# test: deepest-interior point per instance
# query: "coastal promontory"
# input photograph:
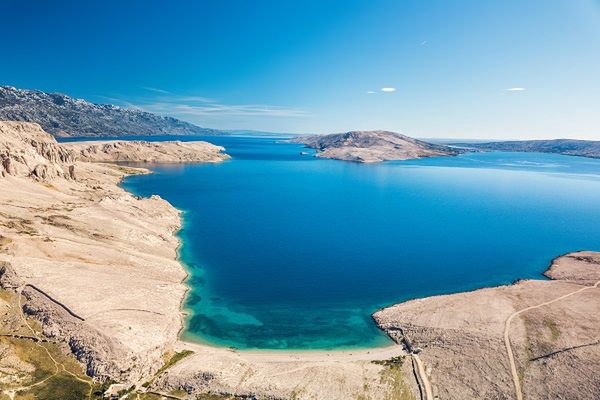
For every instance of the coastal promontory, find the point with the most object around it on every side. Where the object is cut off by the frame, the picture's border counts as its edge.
(144, 151)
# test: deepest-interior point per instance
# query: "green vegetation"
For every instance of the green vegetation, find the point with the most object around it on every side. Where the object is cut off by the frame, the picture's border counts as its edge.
(60, 386)
(54, 375)
(398, 360)
(43, 371)
(172, 360)
(393, 377)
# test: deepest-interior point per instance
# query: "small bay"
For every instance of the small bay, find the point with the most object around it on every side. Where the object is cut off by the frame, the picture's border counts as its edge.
(289, 251)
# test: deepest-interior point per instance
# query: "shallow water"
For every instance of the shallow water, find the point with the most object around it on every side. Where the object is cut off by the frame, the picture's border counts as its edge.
(289, 251)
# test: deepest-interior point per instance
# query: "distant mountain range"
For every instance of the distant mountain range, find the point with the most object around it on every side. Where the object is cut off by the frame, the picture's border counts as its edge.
(373, 146)
(570, 147)
(65, 116)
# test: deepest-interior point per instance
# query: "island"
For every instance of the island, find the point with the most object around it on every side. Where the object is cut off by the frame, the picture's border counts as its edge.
(373, 146)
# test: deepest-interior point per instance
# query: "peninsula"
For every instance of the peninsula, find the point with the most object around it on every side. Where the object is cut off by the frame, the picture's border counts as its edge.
(373, 146)
(143, 151)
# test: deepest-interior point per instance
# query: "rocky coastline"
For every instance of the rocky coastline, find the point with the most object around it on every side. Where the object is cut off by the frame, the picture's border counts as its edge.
(91, 270)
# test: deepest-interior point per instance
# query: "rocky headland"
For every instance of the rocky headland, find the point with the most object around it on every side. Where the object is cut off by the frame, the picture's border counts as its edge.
(143, 151)
(373, 146)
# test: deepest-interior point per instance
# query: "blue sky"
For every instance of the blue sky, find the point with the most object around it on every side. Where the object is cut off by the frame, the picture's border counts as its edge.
(309, 66)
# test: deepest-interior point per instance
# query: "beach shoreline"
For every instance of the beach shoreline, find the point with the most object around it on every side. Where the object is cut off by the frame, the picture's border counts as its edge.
(99, 269)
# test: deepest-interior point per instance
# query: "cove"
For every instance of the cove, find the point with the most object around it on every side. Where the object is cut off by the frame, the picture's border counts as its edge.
(288, 251)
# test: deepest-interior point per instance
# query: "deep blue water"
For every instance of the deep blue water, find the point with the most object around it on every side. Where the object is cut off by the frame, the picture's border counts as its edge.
(290, 251)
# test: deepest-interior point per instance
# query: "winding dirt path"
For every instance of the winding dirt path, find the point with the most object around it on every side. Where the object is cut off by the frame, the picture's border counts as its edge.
(427, 390)
(509, 351)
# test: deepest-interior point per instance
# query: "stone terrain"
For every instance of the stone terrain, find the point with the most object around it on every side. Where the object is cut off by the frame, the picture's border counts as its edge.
(556, 346)
(62, 115)
(143, 151)
(373, 146)
(569, 147)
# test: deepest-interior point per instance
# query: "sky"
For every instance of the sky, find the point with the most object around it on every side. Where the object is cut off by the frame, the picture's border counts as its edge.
(497, 69)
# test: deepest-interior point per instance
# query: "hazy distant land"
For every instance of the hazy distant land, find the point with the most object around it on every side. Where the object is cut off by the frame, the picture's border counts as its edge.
(569, 147)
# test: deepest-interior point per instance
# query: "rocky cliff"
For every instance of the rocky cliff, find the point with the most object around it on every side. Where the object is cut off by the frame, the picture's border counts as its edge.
(373, 146)
(62, 115)
(26, 150)
(142, 151)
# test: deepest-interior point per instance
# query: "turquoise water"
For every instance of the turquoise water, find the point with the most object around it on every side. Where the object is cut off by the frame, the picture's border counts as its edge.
(289, 251)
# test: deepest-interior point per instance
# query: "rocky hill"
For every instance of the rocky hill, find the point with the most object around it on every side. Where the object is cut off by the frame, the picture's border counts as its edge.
(27, 151)
(569, 147)
(142, 151)
(373, 146)
(62, 115)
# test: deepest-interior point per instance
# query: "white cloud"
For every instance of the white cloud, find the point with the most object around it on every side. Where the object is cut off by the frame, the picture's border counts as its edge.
(156, 90)
(388, 89)
(515, 89)
(200, 108)
(248, 110)
(371, 92)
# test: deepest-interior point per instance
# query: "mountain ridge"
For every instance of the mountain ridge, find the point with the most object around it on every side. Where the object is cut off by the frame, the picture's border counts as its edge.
(66, 116)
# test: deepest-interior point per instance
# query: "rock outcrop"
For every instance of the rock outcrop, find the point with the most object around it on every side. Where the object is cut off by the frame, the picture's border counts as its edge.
(151, 152)
(373, 146)
(26, 150)
(62, 115)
